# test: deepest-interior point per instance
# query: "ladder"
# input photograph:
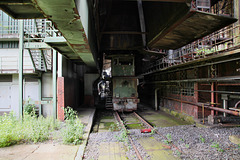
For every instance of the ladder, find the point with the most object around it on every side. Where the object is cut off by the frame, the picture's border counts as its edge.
(109, 103)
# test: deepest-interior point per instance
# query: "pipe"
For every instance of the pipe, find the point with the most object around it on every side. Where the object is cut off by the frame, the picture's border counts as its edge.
(224, 106)
(54, 83)
(209, 107)
(20, 67)
(156, 97)
(237, 104)
(212, 97)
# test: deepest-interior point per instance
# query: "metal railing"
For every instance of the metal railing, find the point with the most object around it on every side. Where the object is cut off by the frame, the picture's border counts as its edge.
(35, 30)
(224, 7)
(216, 43)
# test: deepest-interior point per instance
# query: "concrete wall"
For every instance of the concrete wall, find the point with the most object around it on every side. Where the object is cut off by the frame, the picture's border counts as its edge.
(47, 92)
(88, 88)
(9, 91)
(9, 61)
(73, 83)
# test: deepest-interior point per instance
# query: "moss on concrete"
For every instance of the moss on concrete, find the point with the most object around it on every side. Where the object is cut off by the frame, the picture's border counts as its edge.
(182, 116)
(107, 117)
(135, 126)
(235, 139)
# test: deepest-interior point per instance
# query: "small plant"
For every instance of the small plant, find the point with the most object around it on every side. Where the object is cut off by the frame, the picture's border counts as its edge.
(29, 109)
(123, 137)
(202, 139)
(70, 114)
(73, 133)
(187, 145)
(216, 145)
(153, 131)
(113, 127)
(181, 139)
(178, 153)
(169, 139)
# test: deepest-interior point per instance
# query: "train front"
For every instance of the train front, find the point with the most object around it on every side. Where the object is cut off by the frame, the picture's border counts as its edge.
(124, 83)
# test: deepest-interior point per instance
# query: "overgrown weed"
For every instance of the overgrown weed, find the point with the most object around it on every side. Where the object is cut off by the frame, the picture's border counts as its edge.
(38, 129)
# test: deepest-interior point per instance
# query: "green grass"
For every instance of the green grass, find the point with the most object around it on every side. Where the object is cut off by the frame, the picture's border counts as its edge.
(30, 129)
(36, 129)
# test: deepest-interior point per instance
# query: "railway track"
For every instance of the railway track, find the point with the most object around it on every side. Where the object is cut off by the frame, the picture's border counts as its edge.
(147, 126)
(118, 118)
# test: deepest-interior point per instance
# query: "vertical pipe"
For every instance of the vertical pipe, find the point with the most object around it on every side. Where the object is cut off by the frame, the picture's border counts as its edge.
(224, 107)
(181, 99)
(20, 67)
(54, 82)
(156, 101)
(40, 94)
(216, 96)
(212, 97)
(59, 65)
(203, 112)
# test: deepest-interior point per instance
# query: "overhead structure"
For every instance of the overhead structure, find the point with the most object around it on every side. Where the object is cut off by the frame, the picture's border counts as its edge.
(92, 28)
(191, 26)
(65, 16)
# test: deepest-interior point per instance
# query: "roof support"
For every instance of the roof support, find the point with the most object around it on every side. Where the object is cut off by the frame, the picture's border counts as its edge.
(54, 83)
(142, 21)
(40, 94)
(20, 68)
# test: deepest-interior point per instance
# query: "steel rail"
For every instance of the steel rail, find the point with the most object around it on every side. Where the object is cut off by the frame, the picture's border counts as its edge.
(152, 128)
(116, 115)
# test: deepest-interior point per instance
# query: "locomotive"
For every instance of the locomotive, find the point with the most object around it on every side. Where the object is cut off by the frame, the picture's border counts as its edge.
(122, 93)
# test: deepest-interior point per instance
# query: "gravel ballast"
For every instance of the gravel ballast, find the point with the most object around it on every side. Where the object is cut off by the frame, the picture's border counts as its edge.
(194, 142)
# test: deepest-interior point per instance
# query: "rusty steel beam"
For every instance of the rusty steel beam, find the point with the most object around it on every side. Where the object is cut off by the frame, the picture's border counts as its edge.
(208, 107)
(176, 1)
(122, 32)
(16, 2)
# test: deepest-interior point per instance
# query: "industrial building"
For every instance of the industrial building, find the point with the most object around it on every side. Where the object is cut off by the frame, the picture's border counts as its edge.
(187, 55)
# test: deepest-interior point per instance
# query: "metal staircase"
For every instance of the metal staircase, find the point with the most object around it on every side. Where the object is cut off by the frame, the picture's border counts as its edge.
(40, 26)
(41, 59)
(36, 32)
(109, 103)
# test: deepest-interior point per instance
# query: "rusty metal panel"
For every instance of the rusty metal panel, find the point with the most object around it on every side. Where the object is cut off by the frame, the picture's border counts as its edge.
(192, 26)
(124, 87)
(123, 66)
(24, 9)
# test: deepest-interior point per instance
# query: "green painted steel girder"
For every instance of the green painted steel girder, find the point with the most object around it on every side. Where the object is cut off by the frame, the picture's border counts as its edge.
(65, 16)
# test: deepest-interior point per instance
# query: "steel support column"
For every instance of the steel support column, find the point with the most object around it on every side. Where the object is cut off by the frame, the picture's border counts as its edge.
(142, 21)
(40, 93)
(156, 99)
(54, 82)
(20, 67)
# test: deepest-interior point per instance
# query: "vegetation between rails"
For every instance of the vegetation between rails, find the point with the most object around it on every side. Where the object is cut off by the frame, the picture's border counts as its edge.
(38, 129)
